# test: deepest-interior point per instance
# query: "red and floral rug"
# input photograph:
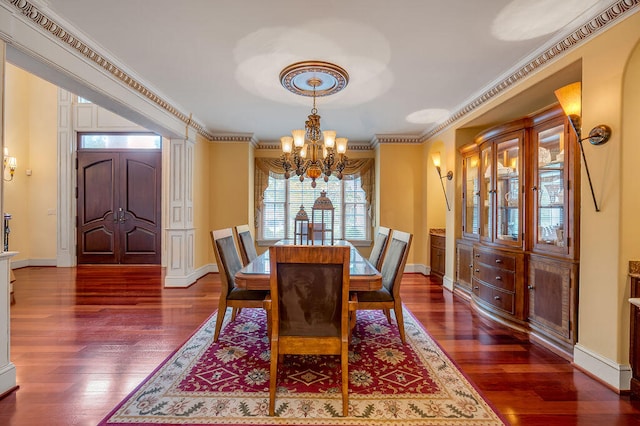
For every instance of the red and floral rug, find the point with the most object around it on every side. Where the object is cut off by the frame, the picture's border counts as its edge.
(227, 383)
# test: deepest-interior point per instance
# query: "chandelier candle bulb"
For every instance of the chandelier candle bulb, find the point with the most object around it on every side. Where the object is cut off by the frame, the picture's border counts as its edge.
(287, 144)
(298, 137)
(329, 138)
(341, 145)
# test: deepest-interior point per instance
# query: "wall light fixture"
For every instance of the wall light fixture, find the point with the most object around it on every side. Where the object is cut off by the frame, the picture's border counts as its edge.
(570, 98)
(10, 163)
(435, 157)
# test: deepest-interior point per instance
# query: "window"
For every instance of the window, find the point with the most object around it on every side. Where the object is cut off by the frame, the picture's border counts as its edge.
(283, 198)
(120, 141)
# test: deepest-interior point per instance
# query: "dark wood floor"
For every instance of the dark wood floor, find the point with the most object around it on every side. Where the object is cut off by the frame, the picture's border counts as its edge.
(83, 338)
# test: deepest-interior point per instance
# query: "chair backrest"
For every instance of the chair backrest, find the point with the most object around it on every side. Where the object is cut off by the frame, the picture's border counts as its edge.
(379, 246)
(395, 260)
(245, 243)
(310, 290)
(227, 258)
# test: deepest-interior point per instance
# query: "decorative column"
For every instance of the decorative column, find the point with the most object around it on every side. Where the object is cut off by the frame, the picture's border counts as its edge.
(180, 233)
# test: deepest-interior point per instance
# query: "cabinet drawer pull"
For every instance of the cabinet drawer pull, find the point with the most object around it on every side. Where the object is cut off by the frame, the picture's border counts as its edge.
(530, 287)
(498, 260)
(498, 278)
(477, 255)
(471, 265)
(535, 188)
(496, 297)
(476, 288)
(477, 270)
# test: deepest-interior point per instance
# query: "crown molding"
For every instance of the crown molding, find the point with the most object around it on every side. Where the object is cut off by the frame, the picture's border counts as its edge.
(592, 27)
(235, 137)
(33, 13)
(394, 139)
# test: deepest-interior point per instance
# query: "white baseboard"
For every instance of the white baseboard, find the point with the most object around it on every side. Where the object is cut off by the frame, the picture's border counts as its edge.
(417, 268)
(187, 280)
(22, 263)
(615, 375)
(7, 378)
(447, 283)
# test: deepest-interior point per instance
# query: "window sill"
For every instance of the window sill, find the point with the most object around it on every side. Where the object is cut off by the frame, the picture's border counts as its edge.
(355, 243)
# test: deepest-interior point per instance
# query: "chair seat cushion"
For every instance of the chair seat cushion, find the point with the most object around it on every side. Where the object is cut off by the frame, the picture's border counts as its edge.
(240, 294)
(381, 295)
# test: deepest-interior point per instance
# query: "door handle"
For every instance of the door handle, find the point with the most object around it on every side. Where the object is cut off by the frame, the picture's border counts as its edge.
(121, 212)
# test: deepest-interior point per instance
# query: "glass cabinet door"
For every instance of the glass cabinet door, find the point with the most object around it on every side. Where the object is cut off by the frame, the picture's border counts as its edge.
(472, 196)
(508, 191)
(486, 192)
(550, 177)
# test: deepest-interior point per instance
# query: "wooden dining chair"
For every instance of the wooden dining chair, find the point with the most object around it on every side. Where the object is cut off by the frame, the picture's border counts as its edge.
(245, 244)
(309, 307)
(388, 297)
(229, 263)
(379, 247)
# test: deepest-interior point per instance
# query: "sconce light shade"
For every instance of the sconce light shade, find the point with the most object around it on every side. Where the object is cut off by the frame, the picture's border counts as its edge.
(435, 157)
(570, 98)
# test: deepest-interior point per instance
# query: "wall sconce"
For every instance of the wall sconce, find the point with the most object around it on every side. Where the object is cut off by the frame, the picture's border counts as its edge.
(435, 157)
(570, 98)
(8, 162)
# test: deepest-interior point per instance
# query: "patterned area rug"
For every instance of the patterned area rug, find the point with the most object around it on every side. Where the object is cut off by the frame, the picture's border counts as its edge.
(227, 383)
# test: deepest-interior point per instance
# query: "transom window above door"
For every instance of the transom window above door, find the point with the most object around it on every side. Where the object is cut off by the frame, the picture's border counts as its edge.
(120, 141)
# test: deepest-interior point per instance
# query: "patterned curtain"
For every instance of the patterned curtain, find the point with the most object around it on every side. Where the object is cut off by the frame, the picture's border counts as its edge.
(265, 167)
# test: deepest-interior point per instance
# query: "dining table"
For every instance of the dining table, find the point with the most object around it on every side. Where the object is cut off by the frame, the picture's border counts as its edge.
(363, 276)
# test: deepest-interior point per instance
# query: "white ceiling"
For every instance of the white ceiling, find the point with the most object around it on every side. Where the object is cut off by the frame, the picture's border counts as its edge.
(220, 60)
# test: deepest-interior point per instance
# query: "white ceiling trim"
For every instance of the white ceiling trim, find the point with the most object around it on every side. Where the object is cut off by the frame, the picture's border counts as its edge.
(82, 49)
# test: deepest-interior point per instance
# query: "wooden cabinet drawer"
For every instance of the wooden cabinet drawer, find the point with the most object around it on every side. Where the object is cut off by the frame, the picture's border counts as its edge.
(495, 276)
(494, 297)
(501, 260)
(438, 241)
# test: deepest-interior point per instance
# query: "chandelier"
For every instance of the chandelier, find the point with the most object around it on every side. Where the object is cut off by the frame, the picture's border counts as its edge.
(312, 152)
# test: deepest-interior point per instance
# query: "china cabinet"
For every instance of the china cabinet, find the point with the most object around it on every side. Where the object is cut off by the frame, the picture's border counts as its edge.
(520, 216)
(464, 267)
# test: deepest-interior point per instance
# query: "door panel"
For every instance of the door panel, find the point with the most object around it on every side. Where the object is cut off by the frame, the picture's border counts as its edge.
(141, 204)
(119, 207)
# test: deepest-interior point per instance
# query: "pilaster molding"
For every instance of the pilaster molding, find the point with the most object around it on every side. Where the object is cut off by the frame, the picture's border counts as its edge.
(66, 246)
(180, 233)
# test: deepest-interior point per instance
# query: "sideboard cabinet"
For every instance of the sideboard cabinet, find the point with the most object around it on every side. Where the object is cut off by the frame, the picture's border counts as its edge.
(520, 216)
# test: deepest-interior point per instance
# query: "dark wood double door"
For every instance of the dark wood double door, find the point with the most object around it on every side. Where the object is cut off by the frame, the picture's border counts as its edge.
(119, 207)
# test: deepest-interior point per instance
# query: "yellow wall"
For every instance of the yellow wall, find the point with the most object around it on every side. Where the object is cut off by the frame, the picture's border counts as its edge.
(630, 178)
(609, 238)
(201, 199)
(31, 135)
(229, 174)
(401, 172)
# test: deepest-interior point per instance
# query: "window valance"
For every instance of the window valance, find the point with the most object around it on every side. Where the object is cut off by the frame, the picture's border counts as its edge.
(272, 167)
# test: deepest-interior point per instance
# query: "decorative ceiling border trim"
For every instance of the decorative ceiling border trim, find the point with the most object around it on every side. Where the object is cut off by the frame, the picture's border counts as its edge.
(37, 17)
(589, 29)
(234, 137)
(388, 139)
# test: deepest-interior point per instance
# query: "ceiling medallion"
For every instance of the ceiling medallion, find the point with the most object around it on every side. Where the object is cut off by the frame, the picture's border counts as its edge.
(312, 152)
(314, 78)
